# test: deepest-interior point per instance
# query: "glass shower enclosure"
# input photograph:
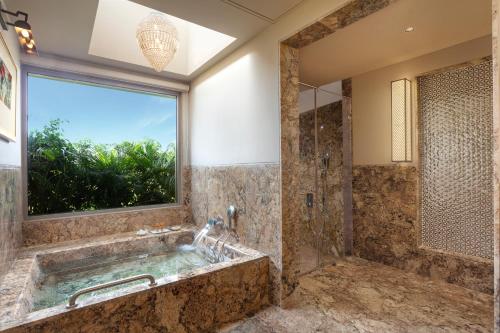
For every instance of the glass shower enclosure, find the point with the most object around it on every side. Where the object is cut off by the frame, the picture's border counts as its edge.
(321, 177)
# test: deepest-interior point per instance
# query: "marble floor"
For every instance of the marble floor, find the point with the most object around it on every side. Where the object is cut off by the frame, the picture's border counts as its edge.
(307, 259)
(361, 296)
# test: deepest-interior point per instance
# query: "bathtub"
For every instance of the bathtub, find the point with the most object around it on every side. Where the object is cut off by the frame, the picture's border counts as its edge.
(198, 298)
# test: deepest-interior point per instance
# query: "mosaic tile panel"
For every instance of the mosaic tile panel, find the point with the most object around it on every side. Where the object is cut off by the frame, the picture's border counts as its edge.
(496, 154)
(456, 164)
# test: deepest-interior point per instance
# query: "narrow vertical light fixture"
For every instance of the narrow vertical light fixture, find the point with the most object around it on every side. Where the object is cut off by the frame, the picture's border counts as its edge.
(401, 122)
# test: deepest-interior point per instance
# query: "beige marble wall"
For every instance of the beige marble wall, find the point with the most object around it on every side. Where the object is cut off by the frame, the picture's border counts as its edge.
(78, 226)
(290, 166)
(254, 190)
(354, 11)
(386, 229)
(10, 215)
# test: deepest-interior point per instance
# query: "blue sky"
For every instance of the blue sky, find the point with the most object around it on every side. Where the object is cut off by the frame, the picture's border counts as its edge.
(103, 115)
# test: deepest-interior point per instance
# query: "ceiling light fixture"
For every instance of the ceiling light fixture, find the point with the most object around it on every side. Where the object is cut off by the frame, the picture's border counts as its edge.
(23, 30)
(158, 40)
(409, 29)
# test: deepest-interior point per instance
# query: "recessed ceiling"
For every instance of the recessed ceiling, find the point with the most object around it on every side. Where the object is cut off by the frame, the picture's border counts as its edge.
(380, 39)
(64, 27)
(118, 20)
(269, 10)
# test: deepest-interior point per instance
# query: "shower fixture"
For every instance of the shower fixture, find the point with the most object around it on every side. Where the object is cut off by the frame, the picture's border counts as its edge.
(325, 160)
(309, 200)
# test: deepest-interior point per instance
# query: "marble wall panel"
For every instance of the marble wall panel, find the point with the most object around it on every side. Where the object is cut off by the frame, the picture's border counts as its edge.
(290, 166)
(254, 190)
(77, 226)
(10, 216)
(351, 13)
(386, 229)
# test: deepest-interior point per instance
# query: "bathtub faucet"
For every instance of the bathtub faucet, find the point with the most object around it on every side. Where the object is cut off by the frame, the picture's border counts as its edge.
(216, 222)
(231, 212)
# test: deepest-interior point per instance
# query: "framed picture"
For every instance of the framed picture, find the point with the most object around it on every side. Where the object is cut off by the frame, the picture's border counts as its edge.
(8, 93)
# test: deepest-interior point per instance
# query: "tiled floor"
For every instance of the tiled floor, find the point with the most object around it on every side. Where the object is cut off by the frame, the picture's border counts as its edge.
(308, 261)
(360, 296)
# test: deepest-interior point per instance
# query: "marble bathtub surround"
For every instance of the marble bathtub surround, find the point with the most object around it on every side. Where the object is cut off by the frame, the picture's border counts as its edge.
(386, 229)
(10, 216)
(197, 301)
(53, 230)
(352, 12)
(17, 287)
(254, 190)
(330, 134)
(78, 226)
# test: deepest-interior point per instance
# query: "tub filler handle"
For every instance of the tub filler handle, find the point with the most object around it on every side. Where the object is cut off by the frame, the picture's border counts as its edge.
(72, 300)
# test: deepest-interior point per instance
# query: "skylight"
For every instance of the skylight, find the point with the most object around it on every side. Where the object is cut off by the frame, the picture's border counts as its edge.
(114, 37)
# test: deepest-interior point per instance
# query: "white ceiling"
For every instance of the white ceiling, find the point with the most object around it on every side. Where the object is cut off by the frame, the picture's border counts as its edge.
(269, 9)
(379, 40)
(64, 27)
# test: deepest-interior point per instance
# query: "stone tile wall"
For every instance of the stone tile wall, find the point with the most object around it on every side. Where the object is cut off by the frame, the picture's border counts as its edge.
(290, 167)
(255, 192)
(386, 229)
(76, 226)
(10, 216)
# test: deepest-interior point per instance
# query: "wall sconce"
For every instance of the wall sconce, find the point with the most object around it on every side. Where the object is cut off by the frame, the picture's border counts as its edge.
(401, 120)
(23, 30)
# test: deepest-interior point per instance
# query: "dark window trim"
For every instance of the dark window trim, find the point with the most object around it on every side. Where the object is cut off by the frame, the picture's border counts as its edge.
(104, 81)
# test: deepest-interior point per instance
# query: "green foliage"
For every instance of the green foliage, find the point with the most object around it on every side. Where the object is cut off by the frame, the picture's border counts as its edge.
(65, 176)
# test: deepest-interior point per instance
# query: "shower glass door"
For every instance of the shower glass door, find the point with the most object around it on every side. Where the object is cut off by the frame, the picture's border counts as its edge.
(321, 221)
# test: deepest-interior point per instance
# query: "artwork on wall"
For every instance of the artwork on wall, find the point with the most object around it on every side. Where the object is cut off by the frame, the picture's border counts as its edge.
(5, 85)
(8, 91)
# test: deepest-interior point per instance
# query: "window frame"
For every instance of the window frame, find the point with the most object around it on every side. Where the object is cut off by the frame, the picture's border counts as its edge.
(27, 70)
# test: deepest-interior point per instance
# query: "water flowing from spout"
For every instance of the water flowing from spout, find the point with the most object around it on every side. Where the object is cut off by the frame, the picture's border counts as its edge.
(200, 236)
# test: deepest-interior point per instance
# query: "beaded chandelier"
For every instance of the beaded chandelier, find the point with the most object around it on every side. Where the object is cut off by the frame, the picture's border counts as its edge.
(158, 40)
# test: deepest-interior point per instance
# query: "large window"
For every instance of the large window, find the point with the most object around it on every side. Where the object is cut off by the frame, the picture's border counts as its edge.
(94, 146)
